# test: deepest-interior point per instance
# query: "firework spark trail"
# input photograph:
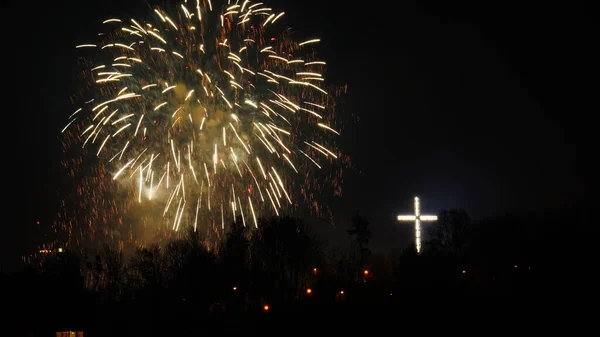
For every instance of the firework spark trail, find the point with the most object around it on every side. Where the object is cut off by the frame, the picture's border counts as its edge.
(205, 106)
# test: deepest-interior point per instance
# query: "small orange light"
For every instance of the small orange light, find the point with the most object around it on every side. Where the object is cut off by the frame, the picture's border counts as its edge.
(342, 292)
(516, 266)
(315, 270)
(266, 308)
(366, 272)
(309, 291)
(234, 288)
(464, 271)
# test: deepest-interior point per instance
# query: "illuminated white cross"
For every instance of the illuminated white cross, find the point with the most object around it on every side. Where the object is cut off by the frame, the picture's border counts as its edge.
(417, 218)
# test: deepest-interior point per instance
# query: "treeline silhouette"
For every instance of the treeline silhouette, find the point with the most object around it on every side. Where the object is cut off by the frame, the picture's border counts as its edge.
(280, 274)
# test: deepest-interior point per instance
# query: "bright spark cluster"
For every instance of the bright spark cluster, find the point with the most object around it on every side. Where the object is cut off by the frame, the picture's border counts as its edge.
(210, 111)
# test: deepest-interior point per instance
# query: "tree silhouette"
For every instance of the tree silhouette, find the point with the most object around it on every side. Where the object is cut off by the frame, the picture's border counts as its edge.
(147, 271)
(284, 252)
(450, 234)
(114, 271)
(191, 271)
(338, 270)
(188, 280)
(362, 234)
(106, 275)
(235, 253)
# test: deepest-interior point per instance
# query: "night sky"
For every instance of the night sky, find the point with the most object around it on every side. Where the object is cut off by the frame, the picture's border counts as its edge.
(469, 105)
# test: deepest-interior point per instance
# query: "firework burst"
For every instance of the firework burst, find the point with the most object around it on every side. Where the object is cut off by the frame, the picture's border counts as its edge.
(209, 112)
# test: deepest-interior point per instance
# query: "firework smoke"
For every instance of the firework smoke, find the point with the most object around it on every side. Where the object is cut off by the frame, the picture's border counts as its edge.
(199, 115)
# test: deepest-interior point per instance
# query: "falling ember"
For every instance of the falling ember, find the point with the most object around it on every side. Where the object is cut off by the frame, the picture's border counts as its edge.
(198, 105)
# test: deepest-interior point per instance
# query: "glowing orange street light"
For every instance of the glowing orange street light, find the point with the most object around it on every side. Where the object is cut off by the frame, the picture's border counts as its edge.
(366, 272)
(341, 292)
(266, 307)
(234, 288)
(315, 271)
(309, 291)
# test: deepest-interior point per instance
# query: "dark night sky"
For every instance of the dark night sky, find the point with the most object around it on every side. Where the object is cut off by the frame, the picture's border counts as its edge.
(470, 105)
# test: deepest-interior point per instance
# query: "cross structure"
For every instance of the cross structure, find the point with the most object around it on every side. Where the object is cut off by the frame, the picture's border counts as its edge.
(417, 218)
